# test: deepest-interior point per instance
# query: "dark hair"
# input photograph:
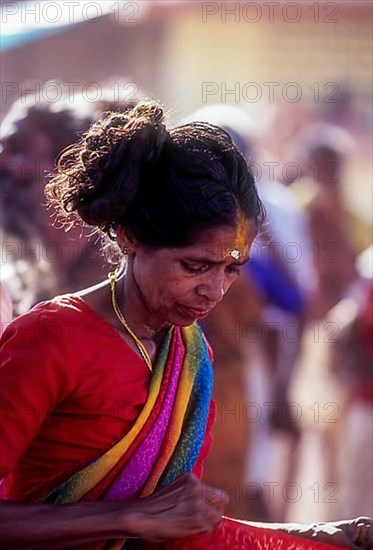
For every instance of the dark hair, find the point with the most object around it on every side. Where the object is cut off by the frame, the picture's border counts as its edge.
(164, 186)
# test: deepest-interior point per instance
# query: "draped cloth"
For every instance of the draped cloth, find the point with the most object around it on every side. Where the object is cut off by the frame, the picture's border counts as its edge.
(163, 443)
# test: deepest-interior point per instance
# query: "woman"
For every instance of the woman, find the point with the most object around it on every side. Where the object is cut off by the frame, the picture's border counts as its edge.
(106, 393)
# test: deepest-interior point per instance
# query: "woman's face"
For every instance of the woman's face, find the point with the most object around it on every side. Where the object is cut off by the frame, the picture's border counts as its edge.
(180, 285)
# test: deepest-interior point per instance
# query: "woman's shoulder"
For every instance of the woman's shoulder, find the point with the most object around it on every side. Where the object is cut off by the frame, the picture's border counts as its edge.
(64, 305)
(52, 320)
(60, 307)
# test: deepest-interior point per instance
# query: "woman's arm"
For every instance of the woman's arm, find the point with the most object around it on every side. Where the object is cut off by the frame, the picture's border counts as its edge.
(184, 508)
(34, 526)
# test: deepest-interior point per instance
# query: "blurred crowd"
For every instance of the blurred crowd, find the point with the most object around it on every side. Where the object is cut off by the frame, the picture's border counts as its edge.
(292, 339)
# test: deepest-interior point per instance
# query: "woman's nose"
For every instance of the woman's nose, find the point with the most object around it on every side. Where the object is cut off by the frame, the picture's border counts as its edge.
(213, 289)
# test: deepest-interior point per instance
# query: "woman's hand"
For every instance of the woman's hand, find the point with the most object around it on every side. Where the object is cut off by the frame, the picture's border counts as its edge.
(183, 508)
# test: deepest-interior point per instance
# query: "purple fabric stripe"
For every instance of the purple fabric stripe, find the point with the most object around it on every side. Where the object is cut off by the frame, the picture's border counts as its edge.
(136, 472)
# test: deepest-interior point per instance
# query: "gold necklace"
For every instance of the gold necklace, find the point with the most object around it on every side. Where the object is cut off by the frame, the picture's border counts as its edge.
(113, 276)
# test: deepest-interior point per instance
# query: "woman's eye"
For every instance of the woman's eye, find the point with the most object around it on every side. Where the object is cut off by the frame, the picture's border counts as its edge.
(195, 269)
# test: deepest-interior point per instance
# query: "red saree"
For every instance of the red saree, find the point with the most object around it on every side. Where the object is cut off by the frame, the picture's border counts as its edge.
(174, 417)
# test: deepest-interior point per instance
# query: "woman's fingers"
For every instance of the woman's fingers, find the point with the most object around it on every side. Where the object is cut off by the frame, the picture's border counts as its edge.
(183, 508)
(216, 497)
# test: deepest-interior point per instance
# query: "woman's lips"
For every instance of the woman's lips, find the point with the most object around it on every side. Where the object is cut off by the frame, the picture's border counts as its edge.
(196, 313)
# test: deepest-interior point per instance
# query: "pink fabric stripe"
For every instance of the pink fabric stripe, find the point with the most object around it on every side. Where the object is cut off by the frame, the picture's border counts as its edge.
(135, 474)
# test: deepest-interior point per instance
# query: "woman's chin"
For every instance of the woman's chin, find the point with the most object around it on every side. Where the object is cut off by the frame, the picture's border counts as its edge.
(190, 315)
(186, 323)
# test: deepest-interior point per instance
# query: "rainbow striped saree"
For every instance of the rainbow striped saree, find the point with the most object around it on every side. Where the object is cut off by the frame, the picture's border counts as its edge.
(166, 438)
(163, 443)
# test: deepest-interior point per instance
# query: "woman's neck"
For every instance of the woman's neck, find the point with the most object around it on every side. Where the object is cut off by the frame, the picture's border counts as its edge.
(134, 309)
(99, 298)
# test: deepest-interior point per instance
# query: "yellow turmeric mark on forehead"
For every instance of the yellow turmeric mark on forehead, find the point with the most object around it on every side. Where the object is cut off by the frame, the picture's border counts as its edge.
(240, 247)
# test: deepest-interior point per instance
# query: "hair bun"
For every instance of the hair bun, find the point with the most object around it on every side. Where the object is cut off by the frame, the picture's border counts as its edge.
(101, 174)
(146, 121)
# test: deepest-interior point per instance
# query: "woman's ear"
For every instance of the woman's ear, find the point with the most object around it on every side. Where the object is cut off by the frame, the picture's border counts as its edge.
(126, 241)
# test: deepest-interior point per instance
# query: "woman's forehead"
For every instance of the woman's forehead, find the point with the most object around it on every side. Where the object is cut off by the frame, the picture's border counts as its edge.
(223, 243)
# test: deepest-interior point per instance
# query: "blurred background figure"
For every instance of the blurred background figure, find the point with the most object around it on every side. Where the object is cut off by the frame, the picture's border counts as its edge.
(352, 364)
(339, 369)
(42, 259)
(337, 235)
(336, 359)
